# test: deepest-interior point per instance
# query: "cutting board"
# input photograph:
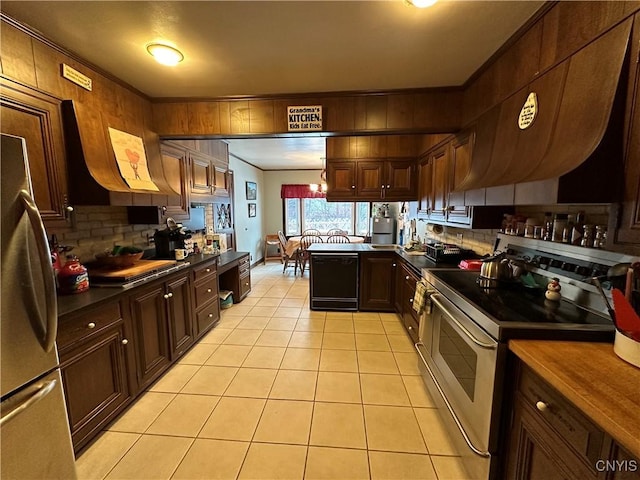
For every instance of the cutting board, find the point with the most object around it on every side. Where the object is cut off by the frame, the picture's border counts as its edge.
(123, 274)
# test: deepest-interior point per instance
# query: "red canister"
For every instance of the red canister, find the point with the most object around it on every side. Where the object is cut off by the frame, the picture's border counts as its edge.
(73, 277)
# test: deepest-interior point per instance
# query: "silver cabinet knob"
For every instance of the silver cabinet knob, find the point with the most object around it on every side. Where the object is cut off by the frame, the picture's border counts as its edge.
(170, 295)
(211, 315)
(540, 405)
(407, 277)
(393, 264)
(208, 290)
(207, 270)
(246, 284)
(166, 295)
(411, 300)
(388, 186)
(125, 341)
(410, 327)
(69, 208)
(91, 325)
(353, 186)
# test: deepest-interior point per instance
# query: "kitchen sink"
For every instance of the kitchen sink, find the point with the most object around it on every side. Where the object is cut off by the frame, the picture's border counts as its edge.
(414, 252)
(384, 246)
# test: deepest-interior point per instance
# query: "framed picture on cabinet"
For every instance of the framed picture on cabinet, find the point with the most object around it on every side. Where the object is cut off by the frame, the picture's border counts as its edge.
(252, 210)
(252, 190)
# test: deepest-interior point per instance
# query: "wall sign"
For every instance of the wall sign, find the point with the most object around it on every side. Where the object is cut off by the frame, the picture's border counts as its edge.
(529, 111)
(131, 160)
(76, 77)
(304, 118)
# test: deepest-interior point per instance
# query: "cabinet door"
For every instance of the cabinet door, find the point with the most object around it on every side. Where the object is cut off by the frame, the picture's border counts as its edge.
(95, 379)
(149, 315)
(400, 180)
(179, 313)
(397, 280)
(459, 165)
(425, 187)
(245, 285)
(220, 181)
(174, 163)
(377, 282)
(440, 164)
(36, 117)
(370, 179)
(341, 179)
(201, 173)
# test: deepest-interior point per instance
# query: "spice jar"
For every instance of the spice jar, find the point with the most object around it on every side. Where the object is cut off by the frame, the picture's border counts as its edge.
(587, 236)
(600, 238)
(559, 224)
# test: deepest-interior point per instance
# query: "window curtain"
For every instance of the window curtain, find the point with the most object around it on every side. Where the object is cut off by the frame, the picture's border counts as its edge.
(300, 191)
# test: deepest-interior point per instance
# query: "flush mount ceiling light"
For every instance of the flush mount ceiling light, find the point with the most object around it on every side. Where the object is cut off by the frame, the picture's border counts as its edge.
(420, 3)
(165, 54)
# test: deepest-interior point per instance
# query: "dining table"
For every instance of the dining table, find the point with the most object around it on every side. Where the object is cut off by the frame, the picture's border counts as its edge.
(293, 243)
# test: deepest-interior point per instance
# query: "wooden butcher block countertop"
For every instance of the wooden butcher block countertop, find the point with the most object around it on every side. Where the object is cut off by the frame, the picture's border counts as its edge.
(594, 379)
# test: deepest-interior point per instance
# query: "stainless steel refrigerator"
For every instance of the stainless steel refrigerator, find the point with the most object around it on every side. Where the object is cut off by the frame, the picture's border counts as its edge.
(34, 430)
(383, 230)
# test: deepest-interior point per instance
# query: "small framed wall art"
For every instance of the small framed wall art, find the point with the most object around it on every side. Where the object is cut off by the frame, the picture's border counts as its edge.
(252, 210)
(252, 190)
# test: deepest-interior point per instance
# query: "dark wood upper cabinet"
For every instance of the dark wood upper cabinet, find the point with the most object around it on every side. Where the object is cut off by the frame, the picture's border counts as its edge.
(36, 117)
(175, 164)
(440, 183)
(400, 178)
(425, 187)
(370, 179)
(341, 179)
(202, 176)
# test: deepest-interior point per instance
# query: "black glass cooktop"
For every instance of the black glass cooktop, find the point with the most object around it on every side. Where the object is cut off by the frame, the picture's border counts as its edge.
(520, 312)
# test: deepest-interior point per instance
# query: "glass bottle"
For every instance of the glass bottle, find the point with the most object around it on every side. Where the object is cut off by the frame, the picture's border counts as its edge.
(587, 236)
(600, 237)
(577, 232)
(548, 226)
(559, 223)
(566, 231)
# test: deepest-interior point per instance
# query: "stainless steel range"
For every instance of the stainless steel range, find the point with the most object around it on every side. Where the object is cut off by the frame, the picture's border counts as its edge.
(463, 334)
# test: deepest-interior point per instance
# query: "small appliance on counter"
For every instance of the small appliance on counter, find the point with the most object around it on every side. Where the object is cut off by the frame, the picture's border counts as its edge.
(168, 240)
(383, 230)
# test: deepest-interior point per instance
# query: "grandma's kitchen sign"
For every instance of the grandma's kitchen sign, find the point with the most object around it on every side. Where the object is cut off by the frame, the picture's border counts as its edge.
(304, 118)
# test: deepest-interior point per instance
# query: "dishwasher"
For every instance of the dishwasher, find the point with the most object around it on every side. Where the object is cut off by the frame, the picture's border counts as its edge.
(334, 281)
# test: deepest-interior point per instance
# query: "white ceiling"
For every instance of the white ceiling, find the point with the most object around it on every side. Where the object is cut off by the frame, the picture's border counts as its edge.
(273, 47)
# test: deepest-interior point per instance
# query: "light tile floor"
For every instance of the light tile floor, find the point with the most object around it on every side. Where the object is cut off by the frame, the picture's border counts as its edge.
(278, 391)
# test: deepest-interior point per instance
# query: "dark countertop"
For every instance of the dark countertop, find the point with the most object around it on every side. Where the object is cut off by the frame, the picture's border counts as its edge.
(593, 378)
(415, 262)
(68, 304)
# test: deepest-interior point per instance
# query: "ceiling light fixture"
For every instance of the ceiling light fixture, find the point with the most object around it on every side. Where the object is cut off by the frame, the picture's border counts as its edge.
(165, 54)
(420, 3)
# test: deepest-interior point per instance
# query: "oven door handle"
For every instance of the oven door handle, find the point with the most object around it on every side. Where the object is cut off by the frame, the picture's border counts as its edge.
(440, 305)
(475, 450)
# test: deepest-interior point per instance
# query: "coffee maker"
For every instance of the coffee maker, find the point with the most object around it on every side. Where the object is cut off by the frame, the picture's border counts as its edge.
(167, 240)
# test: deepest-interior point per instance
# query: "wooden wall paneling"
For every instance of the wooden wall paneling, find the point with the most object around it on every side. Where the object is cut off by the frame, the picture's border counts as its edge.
(340, 113)
(378, 146)
(402, 145)
(569, 26)
(438, 111)
(400, 111)
(239, 116)
(376, 114)
(171, 118)
(479, 96)
(16, 53)
(203, 118)
(631, 6)
(280, 121)
(360, 113)
(224, 108)
(338, 147)
(261, 116)
(361, 147)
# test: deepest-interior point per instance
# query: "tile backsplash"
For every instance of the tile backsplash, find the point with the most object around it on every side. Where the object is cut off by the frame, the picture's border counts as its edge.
(100, 228)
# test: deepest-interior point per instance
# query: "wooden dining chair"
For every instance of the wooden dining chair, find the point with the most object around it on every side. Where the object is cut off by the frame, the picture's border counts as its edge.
(339, 238)
(303, 252)
(286, 258)
(336, 231)
(311, 231)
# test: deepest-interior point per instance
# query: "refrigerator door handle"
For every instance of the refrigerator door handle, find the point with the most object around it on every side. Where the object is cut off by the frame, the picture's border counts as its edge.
(18, 404)
(47, 273)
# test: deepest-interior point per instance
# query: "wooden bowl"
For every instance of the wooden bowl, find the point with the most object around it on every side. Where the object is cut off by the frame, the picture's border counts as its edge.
(120, 261)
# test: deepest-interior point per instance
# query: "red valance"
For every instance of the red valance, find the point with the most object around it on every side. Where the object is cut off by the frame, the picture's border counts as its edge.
(300, 191)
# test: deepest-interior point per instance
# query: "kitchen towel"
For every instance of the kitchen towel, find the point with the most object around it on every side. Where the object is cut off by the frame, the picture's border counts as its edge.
(421, 299)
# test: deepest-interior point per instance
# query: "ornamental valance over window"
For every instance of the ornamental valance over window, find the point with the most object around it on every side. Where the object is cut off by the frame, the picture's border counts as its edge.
(300, 191)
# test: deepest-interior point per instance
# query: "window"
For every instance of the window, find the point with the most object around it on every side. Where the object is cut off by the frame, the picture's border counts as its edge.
(304, 213)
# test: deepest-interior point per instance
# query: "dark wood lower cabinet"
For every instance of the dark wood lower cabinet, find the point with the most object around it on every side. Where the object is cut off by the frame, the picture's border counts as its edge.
(549, 438)
(377, 282)
(98, 369)
(149, 316)
(410, 317)
(181, 333)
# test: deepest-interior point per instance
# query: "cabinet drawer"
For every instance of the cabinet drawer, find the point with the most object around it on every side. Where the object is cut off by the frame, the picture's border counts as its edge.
(208, 314)
(206, 291)
(243, 265)
(88, 323)
(245, 284)
(201, 272)
(571, 425)
(411, 324)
